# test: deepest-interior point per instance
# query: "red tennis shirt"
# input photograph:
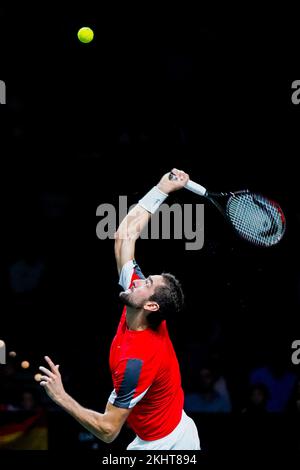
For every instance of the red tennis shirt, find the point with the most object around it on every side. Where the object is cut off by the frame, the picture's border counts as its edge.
(145, 373)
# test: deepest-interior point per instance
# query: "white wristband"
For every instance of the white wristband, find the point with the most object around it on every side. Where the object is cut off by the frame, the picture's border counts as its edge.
(153, 199)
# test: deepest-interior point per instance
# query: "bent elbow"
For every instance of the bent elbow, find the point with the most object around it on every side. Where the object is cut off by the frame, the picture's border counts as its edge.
(109, 436)
(109, 439)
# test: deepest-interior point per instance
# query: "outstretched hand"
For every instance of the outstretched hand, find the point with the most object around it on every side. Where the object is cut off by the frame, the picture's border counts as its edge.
(167, 186)
(51, 381)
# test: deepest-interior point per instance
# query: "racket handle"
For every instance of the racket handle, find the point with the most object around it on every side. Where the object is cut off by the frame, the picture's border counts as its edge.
(191, 186)
(195, 188)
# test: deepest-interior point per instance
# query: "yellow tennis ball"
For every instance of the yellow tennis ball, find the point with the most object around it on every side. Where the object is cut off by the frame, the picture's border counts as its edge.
(85, 34)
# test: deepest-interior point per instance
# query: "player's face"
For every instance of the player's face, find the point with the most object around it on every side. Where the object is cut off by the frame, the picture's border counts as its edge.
(141, 290)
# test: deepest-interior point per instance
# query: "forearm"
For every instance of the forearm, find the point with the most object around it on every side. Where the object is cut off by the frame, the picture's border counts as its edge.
(94, 422)
(127, 234)
(133, 224)
(136, 220)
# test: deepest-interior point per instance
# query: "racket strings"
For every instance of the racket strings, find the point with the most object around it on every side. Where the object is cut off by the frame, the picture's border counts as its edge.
(257, 219)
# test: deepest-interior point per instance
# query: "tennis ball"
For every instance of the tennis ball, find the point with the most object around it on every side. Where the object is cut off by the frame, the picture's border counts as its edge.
(85, 34)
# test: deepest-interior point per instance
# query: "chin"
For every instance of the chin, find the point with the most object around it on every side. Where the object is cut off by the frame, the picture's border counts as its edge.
(124, 296)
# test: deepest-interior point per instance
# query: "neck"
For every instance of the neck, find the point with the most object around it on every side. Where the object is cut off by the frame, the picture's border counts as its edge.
(135, 319)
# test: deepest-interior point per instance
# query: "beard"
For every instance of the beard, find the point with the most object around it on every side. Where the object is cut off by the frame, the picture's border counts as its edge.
(127, 299)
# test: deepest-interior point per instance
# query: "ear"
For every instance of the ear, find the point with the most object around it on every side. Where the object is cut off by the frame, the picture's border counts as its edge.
(151, 306)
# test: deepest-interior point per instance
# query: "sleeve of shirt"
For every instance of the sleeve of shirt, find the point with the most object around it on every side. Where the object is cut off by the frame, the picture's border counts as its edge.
(132, 380)
(130, 271)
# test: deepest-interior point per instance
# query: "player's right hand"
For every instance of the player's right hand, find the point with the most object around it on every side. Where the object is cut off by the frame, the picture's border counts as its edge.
(167, 186)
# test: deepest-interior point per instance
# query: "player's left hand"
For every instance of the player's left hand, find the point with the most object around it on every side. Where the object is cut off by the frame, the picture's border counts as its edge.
(51, 381)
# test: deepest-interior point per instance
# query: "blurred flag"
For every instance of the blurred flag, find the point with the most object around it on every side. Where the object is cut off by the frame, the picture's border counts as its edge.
(26, 434)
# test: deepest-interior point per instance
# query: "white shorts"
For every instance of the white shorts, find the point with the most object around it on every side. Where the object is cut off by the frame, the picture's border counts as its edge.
(183, 437)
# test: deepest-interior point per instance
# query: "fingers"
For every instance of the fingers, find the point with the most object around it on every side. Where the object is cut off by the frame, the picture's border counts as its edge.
(172, 175)
(45, 378)
(47, 372)
(51, 364)
(174, 172)
(181, 175)
(44, 383)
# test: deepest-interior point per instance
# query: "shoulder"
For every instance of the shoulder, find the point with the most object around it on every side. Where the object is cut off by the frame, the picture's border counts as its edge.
(129, 272)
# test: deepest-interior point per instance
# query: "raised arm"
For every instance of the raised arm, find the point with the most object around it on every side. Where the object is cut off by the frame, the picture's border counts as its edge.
(133, 224)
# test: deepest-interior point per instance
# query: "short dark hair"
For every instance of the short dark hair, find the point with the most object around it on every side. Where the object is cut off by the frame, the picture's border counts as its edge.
(170, 299)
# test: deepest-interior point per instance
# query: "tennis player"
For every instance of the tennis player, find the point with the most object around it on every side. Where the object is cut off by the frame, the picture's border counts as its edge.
(145, 371)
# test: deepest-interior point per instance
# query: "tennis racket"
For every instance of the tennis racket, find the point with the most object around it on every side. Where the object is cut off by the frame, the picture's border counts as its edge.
(254, 217)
